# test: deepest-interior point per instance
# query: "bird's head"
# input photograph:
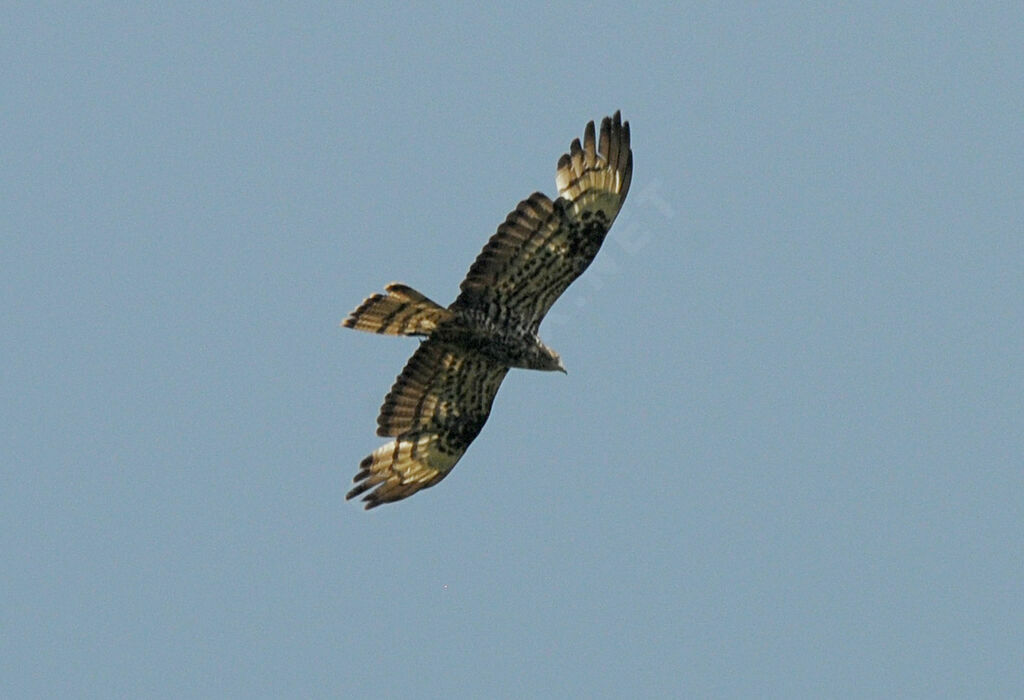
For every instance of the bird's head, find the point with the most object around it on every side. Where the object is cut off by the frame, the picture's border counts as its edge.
(559, 367)
(550, 360)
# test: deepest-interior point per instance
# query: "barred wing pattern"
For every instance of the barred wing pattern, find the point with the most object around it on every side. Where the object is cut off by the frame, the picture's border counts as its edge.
(543, 246)
(442, 398)
(436, 408)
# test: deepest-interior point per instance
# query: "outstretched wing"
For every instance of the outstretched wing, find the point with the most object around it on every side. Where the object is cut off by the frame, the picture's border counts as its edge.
(436, 408)
(543, 246)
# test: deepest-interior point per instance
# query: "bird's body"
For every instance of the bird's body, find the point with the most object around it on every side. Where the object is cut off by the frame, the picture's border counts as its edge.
(442, 398)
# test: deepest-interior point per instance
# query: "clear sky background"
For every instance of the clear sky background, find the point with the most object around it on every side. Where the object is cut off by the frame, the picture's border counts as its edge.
(786, 460)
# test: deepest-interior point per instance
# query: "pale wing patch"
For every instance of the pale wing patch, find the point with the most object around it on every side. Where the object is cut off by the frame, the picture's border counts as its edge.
(596, 178)
(402, 467)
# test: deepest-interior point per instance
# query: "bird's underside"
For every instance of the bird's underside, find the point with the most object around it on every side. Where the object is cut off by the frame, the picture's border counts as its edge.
(442, 398)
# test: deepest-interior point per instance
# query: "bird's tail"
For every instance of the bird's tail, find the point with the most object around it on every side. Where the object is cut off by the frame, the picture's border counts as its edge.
(402, 311)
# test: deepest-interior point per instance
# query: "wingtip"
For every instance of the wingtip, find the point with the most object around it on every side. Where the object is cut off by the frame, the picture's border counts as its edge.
(355, 491)
(590, 144)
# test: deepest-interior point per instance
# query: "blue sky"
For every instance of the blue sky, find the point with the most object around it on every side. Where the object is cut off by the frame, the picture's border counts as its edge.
(786, 460)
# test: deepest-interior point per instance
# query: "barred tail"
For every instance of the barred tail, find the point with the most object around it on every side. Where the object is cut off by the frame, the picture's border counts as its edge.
(402, 311)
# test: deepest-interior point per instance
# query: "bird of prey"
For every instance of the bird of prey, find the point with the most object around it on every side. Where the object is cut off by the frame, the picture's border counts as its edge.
(442, 398)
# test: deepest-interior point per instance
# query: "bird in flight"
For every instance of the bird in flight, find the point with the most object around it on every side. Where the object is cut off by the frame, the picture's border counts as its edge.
(442, 398)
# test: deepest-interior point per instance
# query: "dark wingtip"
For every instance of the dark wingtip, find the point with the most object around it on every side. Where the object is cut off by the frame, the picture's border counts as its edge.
(359, 479)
